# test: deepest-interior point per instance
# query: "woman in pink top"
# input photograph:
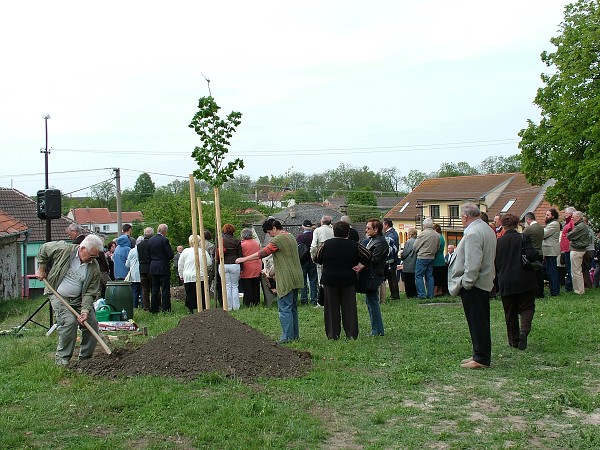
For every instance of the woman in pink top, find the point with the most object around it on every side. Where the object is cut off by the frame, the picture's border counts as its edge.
(250, 274)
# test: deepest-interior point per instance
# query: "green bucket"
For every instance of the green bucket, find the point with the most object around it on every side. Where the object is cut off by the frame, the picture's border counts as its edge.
(119, 295)
(103, 313)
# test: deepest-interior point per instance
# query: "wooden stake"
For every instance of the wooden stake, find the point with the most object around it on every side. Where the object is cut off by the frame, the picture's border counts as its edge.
(195, 240)
(204, 260)
(220, 243)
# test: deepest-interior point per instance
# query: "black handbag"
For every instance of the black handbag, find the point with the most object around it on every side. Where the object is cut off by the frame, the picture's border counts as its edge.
(367, 281)
(526, 263)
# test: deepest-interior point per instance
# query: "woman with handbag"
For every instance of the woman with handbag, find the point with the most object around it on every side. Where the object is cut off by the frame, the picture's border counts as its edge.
(338, 257)
(517, 285)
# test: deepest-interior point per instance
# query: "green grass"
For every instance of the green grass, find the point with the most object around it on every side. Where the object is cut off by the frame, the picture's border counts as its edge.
(404, 390)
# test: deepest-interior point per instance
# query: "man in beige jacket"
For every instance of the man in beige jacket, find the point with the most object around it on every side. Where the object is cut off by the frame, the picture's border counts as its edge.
(471, 275)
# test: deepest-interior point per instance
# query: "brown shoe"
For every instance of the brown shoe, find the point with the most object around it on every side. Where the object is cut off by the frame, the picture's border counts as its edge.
(468, 360)
(474, 365)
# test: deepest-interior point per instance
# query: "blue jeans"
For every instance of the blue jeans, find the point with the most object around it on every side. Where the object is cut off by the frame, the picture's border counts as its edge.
(424, 268)
(309, 272)
(288, 316)
(552, 273)
(372, 299)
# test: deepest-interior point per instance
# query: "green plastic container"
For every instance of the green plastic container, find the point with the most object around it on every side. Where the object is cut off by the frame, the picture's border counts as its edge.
(119, 295)
(103, 314)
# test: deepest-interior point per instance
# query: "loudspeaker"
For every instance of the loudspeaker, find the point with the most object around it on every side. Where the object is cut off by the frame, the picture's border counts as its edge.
(49, 204)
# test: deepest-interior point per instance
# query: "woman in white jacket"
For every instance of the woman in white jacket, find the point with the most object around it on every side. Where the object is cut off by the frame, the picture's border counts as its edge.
(186, 267)
(133, 262)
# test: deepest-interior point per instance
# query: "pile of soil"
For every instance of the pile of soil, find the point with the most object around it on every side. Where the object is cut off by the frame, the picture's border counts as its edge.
(211, 341)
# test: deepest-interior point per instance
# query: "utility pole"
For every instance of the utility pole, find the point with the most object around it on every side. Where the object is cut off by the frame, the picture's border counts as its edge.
(118, 196)
(47, 152)
(48, 221)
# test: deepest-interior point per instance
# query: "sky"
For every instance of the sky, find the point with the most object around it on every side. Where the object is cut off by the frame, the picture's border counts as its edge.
(384, 84)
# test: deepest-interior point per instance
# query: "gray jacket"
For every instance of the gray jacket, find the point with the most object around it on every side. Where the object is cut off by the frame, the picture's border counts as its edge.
(409, 257)
(474, 263)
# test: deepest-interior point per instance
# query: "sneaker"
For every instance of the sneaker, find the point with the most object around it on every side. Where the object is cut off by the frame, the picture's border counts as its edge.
(317, 306)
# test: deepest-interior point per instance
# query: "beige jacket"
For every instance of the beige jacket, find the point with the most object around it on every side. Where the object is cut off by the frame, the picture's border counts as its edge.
(474, 262)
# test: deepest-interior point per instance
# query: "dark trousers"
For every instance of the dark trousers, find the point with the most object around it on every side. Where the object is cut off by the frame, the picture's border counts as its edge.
(476, 304)
(136, 290)
(409, 284)
(191, 300)
(344, 298)
(522, 304)
(251, 290)
(392, 279)
(539, 276)
(568, 280)
(586, 267)
(146, 281)
(161, 294)
(552, 274)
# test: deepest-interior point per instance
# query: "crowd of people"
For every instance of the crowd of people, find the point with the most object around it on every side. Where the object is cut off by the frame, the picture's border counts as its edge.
(326, 265)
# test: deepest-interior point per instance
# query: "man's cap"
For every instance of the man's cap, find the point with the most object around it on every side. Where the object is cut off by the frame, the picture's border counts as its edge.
(307, 223)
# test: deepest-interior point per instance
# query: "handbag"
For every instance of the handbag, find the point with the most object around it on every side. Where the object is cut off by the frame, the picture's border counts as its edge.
(525, 262)
(367, 281)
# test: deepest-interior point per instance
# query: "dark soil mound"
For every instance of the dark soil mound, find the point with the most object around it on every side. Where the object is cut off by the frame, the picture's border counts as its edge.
(211, 341)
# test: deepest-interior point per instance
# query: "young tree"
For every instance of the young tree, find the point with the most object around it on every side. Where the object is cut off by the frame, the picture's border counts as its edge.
(565, 144)
(215, 134)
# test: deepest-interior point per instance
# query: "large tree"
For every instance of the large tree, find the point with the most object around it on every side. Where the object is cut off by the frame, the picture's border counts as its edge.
(565, 144)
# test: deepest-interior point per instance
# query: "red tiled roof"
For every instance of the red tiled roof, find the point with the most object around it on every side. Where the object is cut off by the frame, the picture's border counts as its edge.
(23, 208)
(128, 217)
(473, 188)
(91, 215)
(9, 226)
(103, 215)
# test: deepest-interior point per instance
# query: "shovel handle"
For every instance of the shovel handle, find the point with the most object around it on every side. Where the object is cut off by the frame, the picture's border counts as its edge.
(76, 314)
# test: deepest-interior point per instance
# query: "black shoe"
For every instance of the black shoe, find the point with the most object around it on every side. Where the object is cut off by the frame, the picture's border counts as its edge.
(522, 340)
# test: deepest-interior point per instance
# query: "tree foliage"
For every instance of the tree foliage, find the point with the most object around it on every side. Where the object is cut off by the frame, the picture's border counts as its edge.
(565, 144)
(104, 193)
(413, 179)
(500, 164)
(362, 205)
(215, 134)
(456, 170)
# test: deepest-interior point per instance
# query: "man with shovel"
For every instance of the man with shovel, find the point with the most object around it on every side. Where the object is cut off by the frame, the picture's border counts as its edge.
(75, 275)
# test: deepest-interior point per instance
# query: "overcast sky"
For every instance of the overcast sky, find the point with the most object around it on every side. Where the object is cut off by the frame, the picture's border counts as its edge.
(319, 83)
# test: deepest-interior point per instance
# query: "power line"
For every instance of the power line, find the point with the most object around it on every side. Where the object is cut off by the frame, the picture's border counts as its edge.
(320, 151)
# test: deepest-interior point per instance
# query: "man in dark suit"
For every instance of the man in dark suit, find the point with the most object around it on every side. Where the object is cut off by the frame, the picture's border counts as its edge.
(143, 249)
(161, 255)
(536, 232)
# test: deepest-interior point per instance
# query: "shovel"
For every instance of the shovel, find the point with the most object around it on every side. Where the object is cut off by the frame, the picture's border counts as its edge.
(76, 314)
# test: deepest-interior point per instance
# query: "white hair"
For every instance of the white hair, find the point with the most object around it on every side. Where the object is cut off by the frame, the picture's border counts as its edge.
(428, 223)
(92, 241)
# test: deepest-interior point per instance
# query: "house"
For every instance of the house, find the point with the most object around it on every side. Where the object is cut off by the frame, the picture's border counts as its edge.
(441, 199)
(24, 209)
(10, 256)
(101, 220)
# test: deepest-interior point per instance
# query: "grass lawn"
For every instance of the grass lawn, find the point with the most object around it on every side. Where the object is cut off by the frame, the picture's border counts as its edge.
(405, 390)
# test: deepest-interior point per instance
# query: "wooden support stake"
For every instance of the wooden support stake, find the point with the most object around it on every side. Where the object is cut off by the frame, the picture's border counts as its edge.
(204, 260)
(195, 241)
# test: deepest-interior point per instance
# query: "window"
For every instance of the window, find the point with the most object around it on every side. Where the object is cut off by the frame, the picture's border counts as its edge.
(507, 206)
(404, 207)
(453, 211)
(453, 238)
(105, 227)
(31, 266)
(434, 211)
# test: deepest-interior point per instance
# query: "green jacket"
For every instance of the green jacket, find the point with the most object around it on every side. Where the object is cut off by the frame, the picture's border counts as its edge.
(579, 237)
(59, 254)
